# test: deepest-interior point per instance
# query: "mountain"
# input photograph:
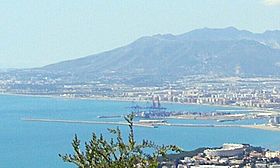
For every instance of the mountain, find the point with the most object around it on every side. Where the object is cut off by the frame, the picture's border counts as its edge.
(227, 51)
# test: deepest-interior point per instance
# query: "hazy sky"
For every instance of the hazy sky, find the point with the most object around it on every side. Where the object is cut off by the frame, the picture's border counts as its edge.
(39, 32)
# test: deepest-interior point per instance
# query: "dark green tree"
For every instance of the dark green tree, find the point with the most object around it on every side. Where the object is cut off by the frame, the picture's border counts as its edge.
(116, 153)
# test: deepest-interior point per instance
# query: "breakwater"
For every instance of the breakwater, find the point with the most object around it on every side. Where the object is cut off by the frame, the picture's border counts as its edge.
(83, 122)
(153, 125)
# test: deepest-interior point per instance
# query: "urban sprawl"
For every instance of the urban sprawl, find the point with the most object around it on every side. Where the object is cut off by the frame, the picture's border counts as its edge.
(259, 92)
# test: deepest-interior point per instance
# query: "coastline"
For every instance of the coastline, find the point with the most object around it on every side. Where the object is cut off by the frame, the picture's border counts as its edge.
(259, 126)
(119, 99)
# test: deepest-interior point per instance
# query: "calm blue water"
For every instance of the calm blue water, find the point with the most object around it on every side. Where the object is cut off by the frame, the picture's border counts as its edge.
(33, 144)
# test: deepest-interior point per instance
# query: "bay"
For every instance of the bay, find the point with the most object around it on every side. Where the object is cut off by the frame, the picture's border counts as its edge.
(34, 144)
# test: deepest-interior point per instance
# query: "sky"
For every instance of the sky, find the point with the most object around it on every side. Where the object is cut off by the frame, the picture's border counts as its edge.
(35, 33)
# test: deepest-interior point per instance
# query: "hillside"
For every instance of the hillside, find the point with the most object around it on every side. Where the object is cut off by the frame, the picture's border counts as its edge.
(226, 51)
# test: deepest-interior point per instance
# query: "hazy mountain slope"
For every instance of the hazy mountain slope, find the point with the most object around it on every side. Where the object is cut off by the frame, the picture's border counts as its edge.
(203, 51)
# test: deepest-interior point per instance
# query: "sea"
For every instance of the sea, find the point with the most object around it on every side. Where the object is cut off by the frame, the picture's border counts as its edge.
(26, 144)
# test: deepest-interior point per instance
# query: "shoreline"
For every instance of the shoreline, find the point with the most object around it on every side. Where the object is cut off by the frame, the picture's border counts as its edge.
(118, 99)
(258, 126)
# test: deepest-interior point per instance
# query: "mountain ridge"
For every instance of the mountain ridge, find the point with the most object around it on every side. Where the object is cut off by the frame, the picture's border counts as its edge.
(201, 51)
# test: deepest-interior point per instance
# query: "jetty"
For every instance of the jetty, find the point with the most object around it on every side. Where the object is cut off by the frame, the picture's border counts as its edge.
(155, 125)
(84, 122)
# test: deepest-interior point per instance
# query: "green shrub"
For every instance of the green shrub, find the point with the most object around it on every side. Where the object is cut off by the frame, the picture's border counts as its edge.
(116, 153)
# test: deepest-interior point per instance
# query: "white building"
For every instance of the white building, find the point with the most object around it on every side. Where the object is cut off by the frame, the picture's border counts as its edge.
(227, 150)
(272, 154)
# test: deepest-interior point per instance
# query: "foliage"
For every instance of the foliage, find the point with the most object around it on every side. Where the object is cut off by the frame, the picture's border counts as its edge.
(116, 153)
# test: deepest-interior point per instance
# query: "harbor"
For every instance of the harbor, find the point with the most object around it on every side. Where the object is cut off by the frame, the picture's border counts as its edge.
(37, 133)
(155, 115)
